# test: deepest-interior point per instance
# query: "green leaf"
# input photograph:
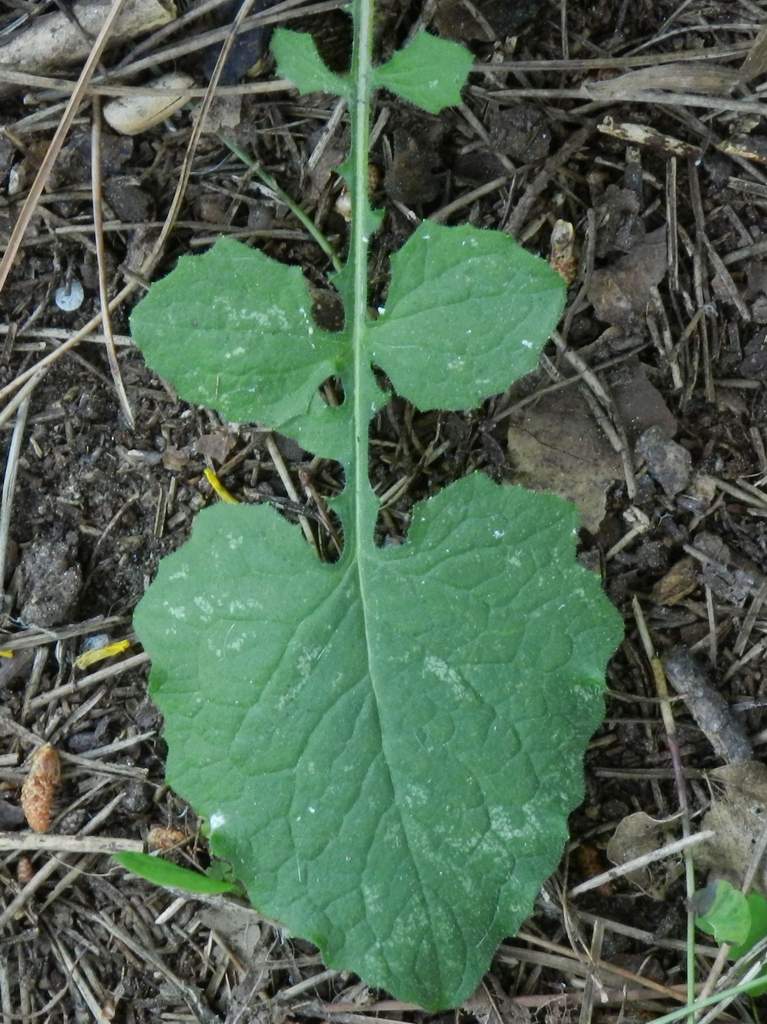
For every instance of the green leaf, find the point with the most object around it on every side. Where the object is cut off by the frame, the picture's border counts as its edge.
(163, 872)
(386, 748)
(429, 72)
(233, 330)
(468, 312)
(757, 907)
(396, 739)
(297, 59)
(723, 912)
(731, 916)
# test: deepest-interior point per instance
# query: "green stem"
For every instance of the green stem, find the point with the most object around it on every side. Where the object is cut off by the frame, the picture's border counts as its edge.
(283, 197)
(364, 386)
(701, 1004)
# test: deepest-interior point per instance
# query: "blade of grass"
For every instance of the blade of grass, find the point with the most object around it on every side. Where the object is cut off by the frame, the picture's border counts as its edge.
(283, 197)
(702, 1004)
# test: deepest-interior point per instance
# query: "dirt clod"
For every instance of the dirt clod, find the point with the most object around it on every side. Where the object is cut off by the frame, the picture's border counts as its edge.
(522, 132)
(488, 18)
(50, 580)
(129, 202)
(640, 403)
(754, 362)
(620, 292)
(668, 462)
(619, 222)
(11, 815)
(731, 579)
(413, 177)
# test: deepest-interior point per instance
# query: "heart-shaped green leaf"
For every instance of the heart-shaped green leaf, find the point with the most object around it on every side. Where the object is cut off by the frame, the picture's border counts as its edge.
(233, 330)
(396, 739)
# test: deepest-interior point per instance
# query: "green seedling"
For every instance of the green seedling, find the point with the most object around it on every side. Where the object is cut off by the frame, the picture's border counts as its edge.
(164, 873)
(733, 917)
(385, 748)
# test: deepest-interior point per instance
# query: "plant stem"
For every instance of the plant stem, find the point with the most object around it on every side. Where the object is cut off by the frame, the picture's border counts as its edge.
(364, 385)
(283, 196)
(701, 1004)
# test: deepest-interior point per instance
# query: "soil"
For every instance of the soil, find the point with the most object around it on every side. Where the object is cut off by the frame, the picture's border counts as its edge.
(663, 347)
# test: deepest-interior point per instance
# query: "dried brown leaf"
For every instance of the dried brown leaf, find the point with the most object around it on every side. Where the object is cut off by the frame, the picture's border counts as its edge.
(639, 835)
(710, 79)
(737, 816)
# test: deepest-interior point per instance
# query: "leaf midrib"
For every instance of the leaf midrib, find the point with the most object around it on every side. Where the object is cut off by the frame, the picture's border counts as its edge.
(364, 385)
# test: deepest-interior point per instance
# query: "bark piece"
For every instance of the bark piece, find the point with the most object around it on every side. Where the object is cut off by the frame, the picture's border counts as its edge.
(639, 403)
(691, 678)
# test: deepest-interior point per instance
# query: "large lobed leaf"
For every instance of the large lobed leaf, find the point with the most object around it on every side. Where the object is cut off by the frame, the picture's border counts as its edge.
(395, 740)
(386, 748)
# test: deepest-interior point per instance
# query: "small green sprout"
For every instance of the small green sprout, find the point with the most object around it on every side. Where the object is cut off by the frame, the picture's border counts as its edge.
(165, 873)
(733, 917)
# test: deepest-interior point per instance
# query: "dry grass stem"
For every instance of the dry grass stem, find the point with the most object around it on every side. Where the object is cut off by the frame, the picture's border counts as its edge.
(639, 862)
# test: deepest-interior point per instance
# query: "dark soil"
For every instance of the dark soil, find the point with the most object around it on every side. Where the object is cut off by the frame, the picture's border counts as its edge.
(667, 307)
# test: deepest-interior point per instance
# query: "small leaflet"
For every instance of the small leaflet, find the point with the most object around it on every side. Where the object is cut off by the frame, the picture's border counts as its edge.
(298, 59)
(428, 72)
(468, 312)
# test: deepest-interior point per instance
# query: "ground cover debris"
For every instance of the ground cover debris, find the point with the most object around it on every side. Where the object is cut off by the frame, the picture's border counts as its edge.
(628, 154)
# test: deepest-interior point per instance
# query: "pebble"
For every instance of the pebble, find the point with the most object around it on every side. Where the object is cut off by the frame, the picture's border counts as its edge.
(69, 297)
